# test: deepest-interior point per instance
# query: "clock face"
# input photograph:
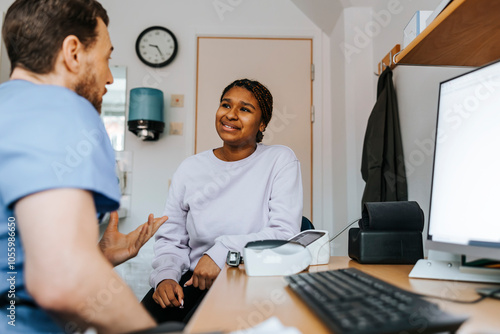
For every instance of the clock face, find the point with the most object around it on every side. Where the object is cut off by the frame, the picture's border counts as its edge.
(156, 46)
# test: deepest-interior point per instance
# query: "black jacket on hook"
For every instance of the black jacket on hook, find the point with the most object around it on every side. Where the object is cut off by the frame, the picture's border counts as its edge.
(382, 164)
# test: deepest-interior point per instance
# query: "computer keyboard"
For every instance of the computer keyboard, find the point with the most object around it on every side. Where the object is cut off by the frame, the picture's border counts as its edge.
(351, 301)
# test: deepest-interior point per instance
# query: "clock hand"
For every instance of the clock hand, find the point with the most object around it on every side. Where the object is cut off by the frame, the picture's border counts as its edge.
(156, 46)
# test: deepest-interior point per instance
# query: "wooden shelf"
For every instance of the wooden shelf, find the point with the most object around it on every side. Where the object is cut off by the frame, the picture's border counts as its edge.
(466, 33)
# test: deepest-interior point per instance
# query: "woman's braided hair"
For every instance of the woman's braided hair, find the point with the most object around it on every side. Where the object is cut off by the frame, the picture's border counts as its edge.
(261, 94)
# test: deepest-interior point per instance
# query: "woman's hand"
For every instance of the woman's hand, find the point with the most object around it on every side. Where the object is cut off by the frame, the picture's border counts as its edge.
(169, 293)
(204, 274)
(118, 247)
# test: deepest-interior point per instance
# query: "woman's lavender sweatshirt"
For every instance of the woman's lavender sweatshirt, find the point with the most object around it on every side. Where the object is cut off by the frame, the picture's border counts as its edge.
(215, 206)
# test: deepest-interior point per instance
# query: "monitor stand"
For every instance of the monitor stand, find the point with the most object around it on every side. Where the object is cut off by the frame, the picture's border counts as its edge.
(446, 266)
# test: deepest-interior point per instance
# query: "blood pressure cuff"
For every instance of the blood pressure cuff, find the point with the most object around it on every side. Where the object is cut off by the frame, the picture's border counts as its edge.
(392, 216)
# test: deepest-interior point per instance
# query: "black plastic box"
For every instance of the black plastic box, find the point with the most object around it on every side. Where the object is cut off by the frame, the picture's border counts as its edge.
(385, 247)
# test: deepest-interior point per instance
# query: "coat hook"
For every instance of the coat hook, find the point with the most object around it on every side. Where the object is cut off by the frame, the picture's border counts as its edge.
(394, 57)
(380, 67)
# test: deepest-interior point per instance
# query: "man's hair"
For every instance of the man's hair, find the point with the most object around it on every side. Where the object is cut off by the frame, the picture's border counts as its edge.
(34, 30)
(261, 94)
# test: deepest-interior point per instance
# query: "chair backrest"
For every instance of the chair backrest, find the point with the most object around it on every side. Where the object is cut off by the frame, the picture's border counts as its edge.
(306, 224)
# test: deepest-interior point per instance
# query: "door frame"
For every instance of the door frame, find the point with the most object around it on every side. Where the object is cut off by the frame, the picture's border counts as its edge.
(322, 162)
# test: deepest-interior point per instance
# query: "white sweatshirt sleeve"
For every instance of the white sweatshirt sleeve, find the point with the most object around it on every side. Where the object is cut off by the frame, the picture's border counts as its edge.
(171, 248)
(285, 215)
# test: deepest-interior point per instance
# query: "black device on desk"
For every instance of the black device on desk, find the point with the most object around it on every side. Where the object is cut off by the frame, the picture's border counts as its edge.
(350, 301)
(389, 233)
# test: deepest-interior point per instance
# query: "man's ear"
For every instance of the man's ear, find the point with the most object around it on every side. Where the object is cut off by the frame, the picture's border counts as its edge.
(71, 53)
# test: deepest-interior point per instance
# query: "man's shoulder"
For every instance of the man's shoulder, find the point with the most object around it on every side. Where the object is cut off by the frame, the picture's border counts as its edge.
(19, 87)
(54, 142)
(38, 105)
(28, 96)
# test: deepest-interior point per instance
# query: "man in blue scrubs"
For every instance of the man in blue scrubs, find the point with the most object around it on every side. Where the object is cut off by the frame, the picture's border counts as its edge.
(57, 174)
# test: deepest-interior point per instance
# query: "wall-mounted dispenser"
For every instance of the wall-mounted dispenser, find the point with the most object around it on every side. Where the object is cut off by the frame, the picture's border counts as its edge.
(146, 113)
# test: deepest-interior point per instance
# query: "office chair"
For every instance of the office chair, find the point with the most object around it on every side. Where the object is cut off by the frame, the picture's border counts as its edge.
(306, 224)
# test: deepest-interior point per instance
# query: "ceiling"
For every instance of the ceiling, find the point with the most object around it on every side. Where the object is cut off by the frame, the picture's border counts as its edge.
(325, 13)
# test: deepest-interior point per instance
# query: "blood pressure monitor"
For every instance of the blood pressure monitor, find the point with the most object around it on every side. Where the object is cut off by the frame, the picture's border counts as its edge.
(317, 242)
(283, 257)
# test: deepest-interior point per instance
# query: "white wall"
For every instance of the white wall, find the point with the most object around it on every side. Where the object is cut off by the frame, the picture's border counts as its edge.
(337, 152)
(352, 98)
(417, 92)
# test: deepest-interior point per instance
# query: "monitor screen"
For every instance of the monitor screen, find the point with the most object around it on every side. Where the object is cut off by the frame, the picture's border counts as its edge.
(464, 215)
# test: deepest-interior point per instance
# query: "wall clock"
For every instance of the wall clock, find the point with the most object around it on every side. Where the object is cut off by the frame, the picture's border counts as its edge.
(156, 46)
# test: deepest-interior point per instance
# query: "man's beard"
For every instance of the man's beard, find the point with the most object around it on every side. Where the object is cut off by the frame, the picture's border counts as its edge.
(88, 89)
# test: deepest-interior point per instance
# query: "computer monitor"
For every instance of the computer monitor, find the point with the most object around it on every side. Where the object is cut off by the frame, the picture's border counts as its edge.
(464, 213)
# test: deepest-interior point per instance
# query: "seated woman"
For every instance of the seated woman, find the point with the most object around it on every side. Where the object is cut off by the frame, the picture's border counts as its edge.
(221, 199)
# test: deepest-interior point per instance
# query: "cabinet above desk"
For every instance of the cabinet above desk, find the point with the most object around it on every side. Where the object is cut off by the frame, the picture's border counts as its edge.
(466, 33)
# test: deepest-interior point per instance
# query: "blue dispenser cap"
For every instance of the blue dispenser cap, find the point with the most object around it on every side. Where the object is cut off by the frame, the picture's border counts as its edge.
(146, 104)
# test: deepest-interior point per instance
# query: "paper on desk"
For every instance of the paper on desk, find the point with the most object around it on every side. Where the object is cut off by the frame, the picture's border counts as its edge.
(269, 326)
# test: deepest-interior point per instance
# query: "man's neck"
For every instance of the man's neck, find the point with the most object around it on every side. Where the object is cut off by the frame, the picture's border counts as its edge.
(46, 79)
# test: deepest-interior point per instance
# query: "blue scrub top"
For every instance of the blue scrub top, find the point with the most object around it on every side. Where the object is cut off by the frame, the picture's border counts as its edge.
(50, 138)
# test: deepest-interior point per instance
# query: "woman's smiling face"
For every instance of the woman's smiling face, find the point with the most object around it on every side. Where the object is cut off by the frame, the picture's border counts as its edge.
(239, 118)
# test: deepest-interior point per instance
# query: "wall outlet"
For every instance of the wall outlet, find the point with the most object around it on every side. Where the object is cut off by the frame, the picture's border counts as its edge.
(176, 128)
(177, 100)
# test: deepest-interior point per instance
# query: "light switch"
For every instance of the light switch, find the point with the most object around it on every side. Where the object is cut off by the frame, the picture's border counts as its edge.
(176, 128)
(177, 100)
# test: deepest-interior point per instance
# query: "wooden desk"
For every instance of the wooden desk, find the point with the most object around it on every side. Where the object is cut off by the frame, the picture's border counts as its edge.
(237, 301)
